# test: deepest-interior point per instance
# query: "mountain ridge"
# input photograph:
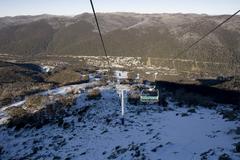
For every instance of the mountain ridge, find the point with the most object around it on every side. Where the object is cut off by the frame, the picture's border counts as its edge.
(125, 34)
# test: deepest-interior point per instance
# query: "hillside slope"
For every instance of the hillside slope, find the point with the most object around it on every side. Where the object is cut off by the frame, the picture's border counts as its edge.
(125, 34)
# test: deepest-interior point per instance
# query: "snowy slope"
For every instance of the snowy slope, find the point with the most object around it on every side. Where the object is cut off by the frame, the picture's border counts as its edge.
(149, 133)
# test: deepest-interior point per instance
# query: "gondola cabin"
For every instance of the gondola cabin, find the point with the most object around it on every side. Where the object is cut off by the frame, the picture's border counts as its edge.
(149, 96)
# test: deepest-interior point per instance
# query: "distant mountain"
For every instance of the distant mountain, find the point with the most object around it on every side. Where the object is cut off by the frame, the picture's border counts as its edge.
(125, 34)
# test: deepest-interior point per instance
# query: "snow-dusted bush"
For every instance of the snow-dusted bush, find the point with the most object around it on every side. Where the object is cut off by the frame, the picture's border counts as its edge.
(32, 115)
(16, 112)
(94, 94)
(224, 157)
(229, 114)
(19, 117)
(36, 102)
(67, 101)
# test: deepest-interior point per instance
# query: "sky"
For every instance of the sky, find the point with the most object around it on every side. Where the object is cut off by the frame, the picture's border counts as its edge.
(74, 7)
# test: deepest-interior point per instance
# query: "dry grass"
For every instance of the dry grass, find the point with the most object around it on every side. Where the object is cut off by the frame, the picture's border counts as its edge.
(19, 117)
(67, 101)
(14, 91)
(65, 76)
(33, 116)
(16, 112)
(36, 102)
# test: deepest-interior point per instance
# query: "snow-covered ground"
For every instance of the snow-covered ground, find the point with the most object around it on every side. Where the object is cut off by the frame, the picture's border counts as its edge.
(57, 91)
(150, 132)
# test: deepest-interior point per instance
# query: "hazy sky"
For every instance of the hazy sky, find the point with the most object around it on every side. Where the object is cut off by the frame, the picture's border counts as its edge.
(73, 7)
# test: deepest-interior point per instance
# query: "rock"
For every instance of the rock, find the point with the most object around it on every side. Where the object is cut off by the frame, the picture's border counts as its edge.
(179, 104)
(66, 125)
(148, 125)
(237, 131)
(104, 131)
(162, 101)
(137, 153)
(121, 150)
(155, 149)
(1, 150)
(230, 115)
(117, 147)
(83, 153)
(204, 155)
(108, 120)
(35, 141)
(56, 158)
(104, 153)
(165, 109)
(116, 152)
(184, 114)
(34, 150)
(238, 147)
(224, 157)
(192, 110)
(58, 141)
(133, 147)
(60, 122)
(79, 119)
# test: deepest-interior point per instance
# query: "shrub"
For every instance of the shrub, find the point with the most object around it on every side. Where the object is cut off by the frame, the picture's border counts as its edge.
(94, 94)
(192, 99)
(162, 101)
(6, 101)
(224, 157)
(237, 147)
(19, 117)
(230, 115)
(16, 91)
(65, 76)
(36, 102)
(66, 125)
(134, 98)
(184, 114)
(16, 112)
(1, 150)
(103, 82)
(68, 100)
(191, 110)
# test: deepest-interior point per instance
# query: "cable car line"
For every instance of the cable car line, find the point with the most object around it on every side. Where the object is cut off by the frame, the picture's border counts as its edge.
(204, 36)
(100, 33)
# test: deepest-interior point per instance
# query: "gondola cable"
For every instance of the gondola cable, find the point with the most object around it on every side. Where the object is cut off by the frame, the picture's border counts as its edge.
(100, 34)
(205, 35)
(105, 52)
